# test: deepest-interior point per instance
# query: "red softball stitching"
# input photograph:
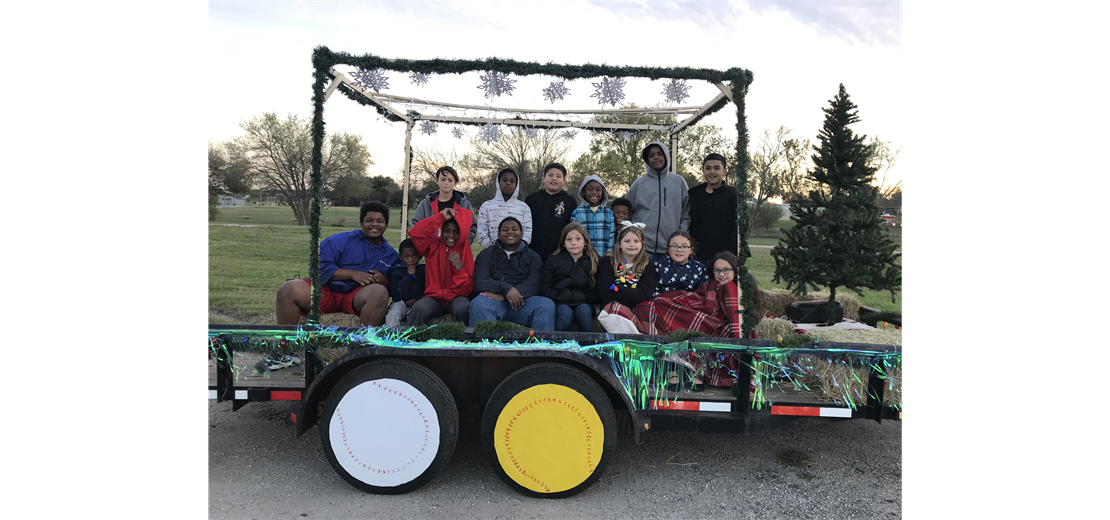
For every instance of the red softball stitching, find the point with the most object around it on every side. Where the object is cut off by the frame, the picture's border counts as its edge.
(509, 428)
(343, 432)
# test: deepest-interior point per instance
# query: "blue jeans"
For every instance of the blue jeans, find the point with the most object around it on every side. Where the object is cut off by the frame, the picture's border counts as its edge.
(537, 312)
(582, 314)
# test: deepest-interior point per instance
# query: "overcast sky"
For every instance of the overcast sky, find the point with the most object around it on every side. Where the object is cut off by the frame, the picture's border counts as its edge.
(798, 52)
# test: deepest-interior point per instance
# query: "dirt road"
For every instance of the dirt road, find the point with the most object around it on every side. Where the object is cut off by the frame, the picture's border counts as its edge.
(258, 469)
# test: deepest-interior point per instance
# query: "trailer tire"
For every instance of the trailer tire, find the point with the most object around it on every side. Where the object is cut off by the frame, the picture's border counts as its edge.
(389, 426)
(549, 430)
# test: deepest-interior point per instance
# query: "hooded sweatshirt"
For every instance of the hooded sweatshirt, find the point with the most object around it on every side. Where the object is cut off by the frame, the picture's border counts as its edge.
(458, 199)
(661, 200)
(441, 280)
(496, 209)
(497, 270)
(597, 220)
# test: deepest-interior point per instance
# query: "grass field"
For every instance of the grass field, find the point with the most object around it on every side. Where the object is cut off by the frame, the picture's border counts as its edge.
(253, 250)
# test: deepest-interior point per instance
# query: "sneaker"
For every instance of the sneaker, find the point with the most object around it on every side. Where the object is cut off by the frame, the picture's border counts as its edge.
(280, 362)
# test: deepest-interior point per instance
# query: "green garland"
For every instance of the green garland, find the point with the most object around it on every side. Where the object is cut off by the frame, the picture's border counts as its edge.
(324, 59)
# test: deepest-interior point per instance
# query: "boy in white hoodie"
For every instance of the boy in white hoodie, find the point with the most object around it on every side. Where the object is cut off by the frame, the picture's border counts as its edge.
(504, 204)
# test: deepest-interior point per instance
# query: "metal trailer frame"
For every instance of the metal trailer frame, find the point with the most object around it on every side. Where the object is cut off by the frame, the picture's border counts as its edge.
(740, 418)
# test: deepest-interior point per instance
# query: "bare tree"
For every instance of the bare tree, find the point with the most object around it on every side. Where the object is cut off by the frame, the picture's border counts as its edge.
(280, 155)
(526, 155)
(425, 163)
(883, 157)
(775, 166)
(795, 180)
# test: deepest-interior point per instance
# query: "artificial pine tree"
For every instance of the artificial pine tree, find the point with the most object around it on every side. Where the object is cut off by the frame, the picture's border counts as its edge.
(839, 240)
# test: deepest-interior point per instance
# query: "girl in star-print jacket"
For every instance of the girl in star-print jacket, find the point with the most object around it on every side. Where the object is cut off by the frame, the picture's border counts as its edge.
(679, 270)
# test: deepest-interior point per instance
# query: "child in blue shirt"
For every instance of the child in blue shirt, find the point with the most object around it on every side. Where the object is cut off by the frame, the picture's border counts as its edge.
(406, 284)
(594, 215)
(679, 271)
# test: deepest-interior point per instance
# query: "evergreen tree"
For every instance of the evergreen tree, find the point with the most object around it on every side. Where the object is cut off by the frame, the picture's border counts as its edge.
(839, 240)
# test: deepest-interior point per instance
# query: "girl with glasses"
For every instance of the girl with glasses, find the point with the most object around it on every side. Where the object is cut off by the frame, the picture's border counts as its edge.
(679, 270)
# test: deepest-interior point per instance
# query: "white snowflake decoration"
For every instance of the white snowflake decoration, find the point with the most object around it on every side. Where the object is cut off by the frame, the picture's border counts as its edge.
(457, 132)
(371, 79)
(490, 133)
(610, 91)
(496, 84)
(427, 127)
(569, 135)
(624, 135)
(532, 132)
(557, 90)
(418, 78)
(676, 91)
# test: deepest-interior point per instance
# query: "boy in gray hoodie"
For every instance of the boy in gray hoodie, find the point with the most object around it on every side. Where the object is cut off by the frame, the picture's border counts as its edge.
(594, 215)
(660, 199)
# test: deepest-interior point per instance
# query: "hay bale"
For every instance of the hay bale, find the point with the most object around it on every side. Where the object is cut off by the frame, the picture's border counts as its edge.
(770, 328)
(337, 319)
(777, 300)
(888, 336)
(892, 394)
(850, 303)
(327, 355)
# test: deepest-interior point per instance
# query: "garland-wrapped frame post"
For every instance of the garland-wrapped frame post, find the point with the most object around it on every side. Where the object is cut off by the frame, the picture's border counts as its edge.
(733, 85)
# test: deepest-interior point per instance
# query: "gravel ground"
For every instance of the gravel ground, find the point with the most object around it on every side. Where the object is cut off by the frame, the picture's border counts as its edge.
(258, 469)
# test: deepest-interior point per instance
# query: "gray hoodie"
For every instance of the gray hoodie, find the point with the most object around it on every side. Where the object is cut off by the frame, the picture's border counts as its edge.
(661, 200)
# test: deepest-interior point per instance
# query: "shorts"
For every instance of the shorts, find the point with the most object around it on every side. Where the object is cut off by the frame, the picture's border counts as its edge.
(332, 302)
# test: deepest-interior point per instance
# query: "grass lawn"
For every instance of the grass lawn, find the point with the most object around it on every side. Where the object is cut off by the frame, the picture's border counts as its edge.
(247, 262)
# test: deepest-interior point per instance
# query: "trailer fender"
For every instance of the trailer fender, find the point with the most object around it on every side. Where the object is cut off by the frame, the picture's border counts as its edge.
(306, 411)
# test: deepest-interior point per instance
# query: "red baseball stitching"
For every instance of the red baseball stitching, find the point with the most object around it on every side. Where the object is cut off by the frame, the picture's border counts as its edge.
(343, 432)
(512, 421)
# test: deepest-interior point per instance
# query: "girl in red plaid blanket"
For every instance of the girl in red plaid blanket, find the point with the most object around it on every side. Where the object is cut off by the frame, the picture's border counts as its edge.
(708, 309)
(625, 278)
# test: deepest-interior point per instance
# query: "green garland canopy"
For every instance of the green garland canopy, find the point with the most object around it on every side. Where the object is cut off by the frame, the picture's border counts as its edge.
(324, 59)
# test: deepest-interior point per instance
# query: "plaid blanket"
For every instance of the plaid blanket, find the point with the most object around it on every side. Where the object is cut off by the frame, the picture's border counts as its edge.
(709, 309)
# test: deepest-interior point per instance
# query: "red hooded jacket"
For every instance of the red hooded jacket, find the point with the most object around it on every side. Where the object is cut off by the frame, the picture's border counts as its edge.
(441, 280)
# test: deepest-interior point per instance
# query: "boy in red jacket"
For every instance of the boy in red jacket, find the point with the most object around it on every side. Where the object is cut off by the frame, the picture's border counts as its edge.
(449, 266)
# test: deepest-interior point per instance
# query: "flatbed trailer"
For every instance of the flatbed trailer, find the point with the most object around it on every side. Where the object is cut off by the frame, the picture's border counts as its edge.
(387, 405)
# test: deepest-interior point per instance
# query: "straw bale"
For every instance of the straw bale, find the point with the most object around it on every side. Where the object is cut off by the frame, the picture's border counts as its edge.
(777, 300)
(337, 319)
(327, 355)
(892, 393)
(850, 303)
(772, 328)
(888, 336)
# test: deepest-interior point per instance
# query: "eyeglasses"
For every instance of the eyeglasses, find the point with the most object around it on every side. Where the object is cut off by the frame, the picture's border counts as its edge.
(722, 271)
(678, 247)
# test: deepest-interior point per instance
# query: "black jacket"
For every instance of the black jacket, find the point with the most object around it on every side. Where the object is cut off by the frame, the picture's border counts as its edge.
(550, 214)
(713, 219)
(497, 271)
(567, 282)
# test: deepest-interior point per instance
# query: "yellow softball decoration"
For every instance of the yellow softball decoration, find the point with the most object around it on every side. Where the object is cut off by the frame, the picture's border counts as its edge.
(549, 438)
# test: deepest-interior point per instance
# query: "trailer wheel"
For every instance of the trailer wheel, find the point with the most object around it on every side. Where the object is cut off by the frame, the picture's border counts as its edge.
(389, 426)
(548, 430)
